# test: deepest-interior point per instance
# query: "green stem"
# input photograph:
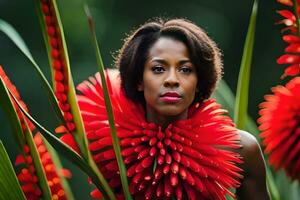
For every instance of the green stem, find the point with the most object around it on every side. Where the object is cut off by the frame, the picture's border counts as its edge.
(109, 110)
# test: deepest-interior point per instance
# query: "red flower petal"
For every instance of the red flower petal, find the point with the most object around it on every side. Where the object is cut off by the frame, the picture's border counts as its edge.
(288, 59)
(288, 15)
(292, 70)
(293, 48)
(291, 38)
(279, 123)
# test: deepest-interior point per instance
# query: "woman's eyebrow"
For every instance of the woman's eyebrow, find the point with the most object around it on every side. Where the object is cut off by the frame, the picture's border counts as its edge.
(159, 60)
(163, 61)
(183, 61)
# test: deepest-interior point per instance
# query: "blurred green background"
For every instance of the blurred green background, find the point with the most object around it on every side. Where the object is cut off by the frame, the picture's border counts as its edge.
(226, 21)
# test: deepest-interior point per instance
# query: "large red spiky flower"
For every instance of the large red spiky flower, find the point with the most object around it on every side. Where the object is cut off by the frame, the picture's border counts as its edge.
(292, 51)
(280, 126)
(190, 158)
(27, 175)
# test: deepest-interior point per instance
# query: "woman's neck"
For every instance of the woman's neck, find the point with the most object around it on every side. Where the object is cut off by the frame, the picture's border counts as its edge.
(163, 120)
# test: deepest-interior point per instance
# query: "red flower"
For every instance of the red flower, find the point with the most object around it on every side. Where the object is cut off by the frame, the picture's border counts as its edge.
(27, 175)
(188, 158)
(280, 126)
(28, 178)
(292, 57)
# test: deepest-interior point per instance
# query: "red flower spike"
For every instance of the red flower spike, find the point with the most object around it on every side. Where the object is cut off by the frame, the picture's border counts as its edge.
(184, 153)
(292, 56)
(279, 123)
(58, 61)
(27, 177)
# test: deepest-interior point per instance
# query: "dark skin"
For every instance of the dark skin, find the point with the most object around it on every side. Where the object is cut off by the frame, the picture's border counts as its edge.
(168, 68)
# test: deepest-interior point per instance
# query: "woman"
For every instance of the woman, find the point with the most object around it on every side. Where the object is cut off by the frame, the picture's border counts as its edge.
(176, 142)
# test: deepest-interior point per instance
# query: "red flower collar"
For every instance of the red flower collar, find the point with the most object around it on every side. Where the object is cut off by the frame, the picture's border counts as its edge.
(191, 157)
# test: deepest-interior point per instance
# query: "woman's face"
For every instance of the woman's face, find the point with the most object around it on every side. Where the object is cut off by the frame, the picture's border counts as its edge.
(169, 79)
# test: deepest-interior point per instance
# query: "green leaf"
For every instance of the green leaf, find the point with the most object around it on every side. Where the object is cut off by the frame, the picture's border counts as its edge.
(91, 170)
(9, 184)
(18, 132)
(226, 98)
(12, 34)
(271, 184)
(9, 108)
(241, 104)
(109, 111)
(79, 133)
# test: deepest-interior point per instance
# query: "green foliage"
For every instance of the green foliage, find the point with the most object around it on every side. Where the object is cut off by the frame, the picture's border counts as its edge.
(277, 181)
(242, 93)
(10, 187)
(8, 107)
(14, 36)
(109, 110)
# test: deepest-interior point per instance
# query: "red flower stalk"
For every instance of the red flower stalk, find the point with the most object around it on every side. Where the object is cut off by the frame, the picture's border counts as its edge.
(58, 61)
(280, 126)
(27, 176)
(292, 51)
(187, 159)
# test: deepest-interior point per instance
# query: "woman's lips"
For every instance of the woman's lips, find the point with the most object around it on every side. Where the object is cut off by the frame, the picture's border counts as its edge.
(171, 97)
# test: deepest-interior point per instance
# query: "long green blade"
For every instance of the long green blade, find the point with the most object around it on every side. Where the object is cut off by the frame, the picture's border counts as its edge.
(241, 103)
(8, 107)
(12, 34)
(109, 110)
(271, 185)
(43, 183)
(9, 184)
(226, 98)
(71, 155)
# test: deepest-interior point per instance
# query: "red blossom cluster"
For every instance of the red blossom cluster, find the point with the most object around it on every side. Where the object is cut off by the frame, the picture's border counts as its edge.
(58, 60)
(280, 123)
(292, 51)
(176, 162)
(280, 113)
(27, 175)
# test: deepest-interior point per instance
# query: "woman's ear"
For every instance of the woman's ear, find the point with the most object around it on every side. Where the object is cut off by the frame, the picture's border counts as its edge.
(140, 87)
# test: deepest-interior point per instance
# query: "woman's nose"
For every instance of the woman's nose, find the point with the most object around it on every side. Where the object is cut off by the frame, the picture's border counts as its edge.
(171, 79)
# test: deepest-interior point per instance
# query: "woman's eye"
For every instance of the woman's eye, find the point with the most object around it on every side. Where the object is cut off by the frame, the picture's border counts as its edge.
(186, 70)
(157, 69)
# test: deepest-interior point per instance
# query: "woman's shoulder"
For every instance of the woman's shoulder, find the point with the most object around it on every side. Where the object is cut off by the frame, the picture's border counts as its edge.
(250, 152)
(253, 167)
(249, 144)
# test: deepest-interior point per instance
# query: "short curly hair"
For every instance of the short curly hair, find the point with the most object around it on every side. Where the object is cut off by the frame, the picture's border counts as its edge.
(203, 51)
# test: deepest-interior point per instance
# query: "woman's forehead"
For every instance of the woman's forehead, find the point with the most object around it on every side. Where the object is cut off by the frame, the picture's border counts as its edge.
(168, 47)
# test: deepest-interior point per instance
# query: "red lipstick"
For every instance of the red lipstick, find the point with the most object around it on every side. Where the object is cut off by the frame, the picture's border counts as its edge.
(171, 97)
